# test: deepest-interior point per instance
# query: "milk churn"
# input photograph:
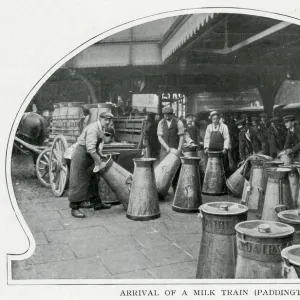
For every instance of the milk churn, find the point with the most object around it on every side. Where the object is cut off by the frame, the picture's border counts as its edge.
(291, 258)
(106, 194)
(259, 245)
(214, 180)
(118, 179)
(188, 192)
(143, 201)
(217, 255)
(291, 217)
(261, 200)
(255, 184)
(294, 181)
(202, 163)
(166, 170)
(235, 182)
(190, 151)
(278, 193)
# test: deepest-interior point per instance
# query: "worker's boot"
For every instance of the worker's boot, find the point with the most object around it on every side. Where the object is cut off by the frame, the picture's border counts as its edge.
(86, 204)
(76, 213)
(100, 205)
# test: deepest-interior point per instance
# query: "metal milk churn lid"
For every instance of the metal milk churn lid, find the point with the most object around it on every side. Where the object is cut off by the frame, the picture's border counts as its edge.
(217, 255)
(259, 245)
(221, 217)
(291, 258)
(291, 217)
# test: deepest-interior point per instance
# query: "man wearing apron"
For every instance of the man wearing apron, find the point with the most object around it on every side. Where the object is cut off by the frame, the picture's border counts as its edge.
(83, 186)
(216, 136)
(170, 132)
(292, 142)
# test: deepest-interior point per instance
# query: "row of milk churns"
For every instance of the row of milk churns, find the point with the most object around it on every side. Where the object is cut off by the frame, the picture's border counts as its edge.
(232, 247)
(139, 193)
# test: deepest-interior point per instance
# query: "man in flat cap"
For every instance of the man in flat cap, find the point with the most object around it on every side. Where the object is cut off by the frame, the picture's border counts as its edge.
(292, 142)
(170, 132)
(83, 185)
(216, 136)
(276, 136)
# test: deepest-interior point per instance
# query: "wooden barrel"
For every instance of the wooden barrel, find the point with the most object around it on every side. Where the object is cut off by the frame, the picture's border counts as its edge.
(95, 110)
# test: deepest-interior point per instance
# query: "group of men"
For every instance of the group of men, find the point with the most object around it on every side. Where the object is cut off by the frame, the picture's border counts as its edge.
(237, 139)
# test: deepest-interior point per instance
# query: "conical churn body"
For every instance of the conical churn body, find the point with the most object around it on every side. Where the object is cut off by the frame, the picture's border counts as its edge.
(188, 192)
(278, 193)
(165, 171)
(235, 182)
(294, 182)
(291, 258)
(214, 180)
(259, 245)
(261, 200)
(217, 255)
(118, 180)
(143, 201)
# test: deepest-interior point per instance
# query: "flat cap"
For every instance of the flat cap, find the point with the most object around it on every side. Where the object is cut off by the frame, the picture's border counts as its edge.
(168, 110)
(241, 122)
(289, 118)
(106, 115)
(254, 118)
(190, 115)
(263, 115)
(213, 113)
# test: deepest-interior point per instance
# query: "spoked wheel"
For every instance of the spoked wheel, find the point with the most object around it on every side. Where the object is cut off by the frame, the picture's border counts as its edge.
(59, 171)
(42, 167)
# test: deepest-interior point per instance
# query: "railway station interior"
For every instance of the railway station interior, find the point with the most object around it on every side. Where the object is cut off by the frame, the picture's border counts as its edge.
(240, 71)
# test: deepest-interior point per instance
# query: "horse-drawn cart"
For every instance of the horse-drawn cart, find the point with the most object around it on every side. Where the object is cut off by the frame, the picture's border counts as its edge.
(52, 167)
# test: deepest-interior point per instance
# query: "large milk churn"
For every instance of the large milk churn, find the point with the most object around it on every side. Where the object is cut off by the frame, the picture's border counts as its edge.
(217, 255)
(255, 184)
(278, 193)
(214, 180)
(292, 218)
(235, 182)
(294, 181)
(166, 170)
(188, 192)
(261, 200)
(190, 151)
(143, 201)
(118, 179)
(259, 245)
(291, 258)
(106, 194)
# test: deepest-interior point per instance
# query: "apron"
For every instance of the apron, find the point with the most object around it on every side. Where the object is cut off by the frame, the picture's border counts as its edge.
(216, 142)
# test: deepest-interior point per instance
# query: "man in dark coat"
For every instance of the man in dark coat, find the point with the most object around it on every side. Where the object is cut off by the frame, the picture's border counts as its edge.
(249, 143)
(254, 133)
(263, 126)
(276, 136)
(292, 142)
(192, 129)
(150, 138)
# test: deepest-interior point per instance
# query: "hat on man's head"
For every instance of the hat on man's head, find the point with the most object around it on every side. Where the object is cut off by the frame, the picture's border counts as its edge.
(254, 118)
(189, 115)
(288, 118)
(168, 110)
(213, 113)
(263, 115)
(241, 123)
(106, 115)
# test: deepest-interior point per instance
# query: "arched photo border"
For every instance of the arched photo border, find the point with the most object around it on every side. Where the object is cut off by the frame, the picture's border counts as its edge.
(34, 90)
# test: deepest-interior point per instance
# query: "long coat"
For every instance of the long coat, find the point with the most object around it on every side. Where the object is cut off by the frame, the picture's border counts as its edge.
(293, 142)
(276, 138)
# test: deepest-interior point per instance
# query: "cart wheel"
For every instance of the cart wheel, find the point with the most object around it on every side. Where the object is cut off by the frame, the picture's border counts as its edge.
(59, 171)
(42, 167)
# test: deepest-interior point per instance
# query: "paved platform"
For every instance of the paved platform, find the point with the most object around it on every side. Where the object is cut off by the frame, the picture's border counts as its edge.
(108, 245)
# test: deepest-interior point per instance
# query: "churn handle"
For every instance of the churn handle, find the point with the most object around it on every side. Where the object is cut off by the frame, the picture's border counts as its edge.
(281, 205)
(288, 270)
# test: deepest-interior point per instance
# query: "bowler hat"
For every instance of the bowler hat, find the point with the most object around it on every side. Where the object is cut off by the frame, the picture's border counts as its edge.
(254, 119)
(190, 115)
(168, 110)
(241, 122)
